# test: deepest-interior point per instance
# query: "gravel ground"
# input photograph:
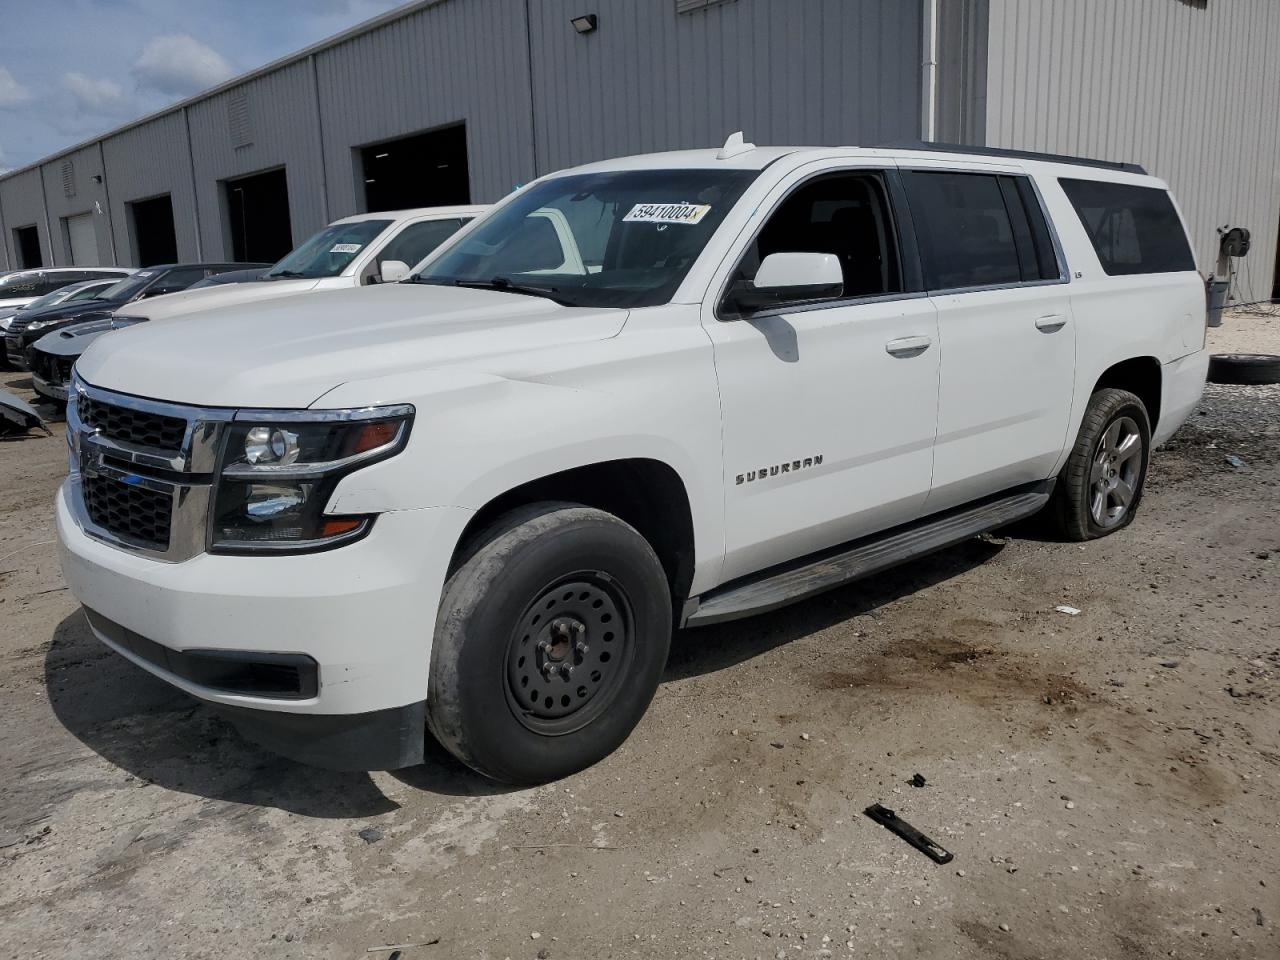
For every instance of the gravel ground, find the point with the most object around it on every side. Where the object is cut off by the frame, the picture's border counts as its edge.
(1108, 781)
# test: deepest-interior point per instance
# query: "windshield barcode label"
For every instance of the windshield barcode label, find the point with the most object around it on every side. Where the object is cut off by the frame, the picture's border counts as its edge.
(345, 248)
(689, 213)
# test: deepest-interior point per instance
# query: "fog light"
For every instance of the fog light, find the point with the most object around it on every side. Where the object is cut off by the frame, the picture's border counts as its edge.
(270, 445)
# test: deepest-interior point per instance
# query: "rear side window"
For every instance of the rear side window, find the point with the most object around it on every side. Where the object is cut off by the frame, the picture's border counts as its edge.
(1133, 229)
(979, 230)
(412, 244)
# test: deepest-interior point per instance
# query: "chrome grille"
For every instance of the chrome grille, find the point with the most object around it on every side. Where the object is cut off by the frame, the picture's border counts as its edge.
(142, 470)
(135, 427)
(131, 512)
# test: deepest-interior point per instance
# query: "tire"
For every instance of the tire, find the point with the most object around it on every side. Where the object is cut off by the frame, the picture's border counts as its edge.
(549, 587)
(1244, 368)
(1098, 492)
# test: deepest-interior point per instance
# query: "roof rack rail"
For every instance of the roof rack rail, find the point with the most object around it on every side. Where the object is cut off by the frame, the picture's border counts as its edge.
(933, 147)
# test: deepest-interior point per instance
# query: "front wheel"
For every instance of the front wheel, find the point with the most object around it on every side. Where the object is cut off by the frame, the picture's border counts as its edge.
(1100, 487)
(551, 639)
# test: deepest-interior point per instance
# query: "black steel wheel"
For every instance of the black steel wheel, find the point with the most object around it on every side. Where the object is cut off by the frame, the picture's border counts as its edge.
(551, 639)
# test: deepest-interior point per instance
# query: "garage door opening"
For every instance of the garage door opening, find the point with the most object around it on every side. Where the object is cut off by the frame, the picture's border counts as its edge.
(26, 241)
(154, 238)
(82, 241)
(425, 170)
(258, 217)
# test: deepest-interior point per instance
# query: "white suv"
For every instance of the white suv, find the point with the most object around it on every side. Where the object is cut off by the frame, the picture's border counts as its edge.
(749, 375)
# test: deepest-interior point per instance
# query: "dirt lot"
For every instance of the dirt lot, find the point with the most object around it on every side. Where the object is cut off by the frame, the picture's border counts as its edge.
(1109, 782)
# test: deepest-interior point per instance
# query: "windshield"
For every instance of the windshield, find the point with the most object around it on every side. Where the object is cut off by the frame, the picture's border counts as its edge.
(128, 288)
(620, 239)
(329, 252)
(57, 296)
(88, 291)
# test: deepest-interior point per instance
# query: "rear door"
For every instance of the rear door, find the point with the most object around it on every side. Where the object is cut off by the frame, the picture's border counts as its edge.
(829, 408)
(994, 271)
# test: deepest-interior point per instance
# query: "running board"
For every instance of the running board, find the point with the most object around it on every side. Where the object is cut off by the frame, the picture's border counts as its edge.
(871, 555)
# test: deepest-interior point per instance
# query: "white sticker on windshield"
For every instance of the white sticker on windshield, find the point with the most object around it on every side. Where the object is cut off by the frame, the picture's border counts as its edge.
(146, 273)
(345, 248)
(689, 213)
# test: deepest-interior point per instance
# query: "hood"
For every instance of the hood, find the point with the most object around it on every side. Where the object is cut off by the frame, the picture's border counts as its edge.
(290, 351)
(210, 298)
(73, 340)
(65, 311)
(12, 304)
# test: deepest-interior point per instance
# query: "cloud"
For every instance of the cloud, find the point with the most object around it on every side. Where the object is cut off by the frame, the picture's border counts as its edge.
(180, 65)
(12, 93)
(92, 92)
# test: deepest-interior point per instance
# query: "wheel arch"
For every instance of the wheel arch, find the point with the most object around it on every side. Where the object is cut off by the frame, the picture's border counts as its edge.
(1141, 376)
(646, 493)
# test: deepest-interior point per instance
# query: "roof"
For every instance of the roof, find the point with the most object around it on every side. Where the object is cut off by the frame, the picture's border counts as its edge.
(413, 213)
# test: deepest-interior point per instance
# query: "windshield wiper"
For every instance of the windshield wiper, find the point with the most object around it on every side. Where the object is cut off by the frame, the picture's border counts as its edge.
(506, 285)
(283, 273)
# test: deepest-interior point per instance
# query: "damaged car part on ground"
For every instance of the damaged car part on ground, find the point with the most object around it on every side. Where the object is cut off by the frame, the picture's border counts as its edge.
(540, 444)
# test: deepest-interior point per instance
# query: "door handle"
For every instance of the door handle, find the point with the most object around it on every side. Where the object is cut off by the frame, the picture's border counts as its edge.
(1052, 323)
(908, 346)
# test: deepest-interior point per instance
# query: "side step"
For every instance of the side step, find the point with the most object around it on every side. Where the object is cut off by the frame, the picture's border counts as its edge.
(796, 581)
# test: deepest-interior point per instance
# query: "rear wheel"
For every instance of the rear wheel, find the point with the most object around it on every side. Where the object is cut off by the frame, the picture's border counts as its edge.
(550, 642)
(1099, 489)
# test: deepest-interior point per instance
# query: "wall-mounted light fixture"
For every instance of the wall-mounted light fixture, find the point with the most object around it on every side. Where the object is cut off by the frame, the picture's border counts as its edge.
(585, 23)
(96, 178)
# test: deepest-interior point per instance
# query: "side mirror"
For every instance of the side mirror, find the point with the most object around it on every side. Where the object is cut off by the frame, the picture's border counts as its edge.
(393, 271)
(789, 278)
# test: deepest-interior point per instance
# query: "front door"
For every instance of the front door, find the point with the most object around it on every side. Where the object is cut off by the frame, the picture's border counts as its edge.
(829, 409)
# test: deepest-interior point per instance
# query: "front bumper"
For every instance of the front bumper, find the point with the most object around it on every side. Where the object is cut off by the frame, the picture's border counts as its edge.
(15, 353)
(53, 391)
(364, 613)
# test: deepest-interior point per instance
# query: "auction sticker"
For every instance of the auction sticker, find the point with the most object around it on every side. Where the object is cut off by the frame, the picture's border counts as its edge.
(689, 213)
(345, 248)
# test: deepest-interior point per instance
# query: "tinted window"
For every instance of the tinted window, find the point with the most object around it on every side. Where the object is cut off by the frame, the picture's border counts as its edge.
(964, 229)
(846, 215)
(176, 280)
(416, 240)
(1133, 229)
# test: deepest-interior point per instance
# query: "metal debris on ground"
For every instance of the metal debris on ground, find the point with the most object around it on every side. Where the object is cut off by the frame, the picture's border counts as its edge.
(892, 822)
(18, 416)
(1069, 611)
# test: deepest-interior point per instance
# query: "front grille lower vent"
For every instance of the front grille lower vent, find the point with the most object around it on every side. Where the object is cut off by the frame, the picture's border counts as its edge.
(133, 512)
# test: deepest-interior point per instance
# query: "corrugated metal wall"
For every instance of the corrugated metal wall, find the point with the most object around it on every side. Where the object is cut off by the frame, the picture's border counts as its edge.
(69, 190)
(464, 60)
(1189, 89)
(281, 131)
(145, 162)
(818, 71)
(22, 198)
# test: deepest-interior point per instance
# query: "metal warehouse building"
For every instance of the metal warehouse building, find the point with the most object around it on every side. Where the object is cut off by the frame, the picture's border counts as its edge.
(452, 101)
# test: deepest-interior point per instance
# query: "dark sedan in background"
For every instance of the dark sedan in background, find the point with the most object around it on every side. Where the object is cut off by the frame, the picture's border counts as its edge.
(29, 326)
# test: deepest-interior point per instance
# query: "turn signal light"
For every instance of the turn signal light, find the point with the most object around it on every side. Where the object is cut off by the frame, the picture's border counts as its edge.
(332, 528)
(374, 435)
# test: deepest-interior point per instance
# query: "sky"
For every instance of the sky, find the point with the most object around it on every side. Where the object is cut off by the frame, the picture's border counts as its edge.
(73, 69)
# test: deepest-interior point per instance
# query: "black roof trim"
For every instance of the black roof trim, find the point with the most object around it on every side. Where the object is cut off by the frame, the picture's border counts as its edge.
(1013, 155)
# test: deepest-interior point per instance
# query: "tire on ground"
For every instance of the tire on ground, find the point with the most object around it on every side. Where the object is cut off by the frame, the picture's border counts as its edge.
(1071, 508)
(487, 624)
(1244, 368)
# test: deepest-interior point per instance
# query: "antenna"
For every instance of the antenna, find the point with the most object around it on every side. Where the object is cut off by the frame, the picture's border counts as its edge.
(734, 146)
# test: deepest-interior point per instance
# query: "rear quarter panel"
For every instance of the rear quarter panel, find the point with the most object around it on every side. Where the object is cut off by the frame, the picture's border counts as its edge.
(1118, 318)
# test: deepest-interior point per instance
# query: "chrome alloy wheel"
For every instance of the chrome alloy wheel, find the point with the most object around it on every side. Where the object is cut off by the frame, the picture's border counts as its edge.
(1115, 473)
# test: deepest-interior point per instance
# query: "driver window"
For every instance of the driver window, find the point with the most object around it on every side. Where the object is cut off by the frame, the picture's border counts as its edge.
(846, 214)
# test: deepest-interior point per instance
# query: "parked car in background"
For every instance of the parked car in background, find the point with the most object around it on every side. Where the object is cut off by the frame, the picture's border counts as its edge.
(21, 287)
(480, 500)
(84, 290)
(31, 325)
(231, 276)
(356, 251)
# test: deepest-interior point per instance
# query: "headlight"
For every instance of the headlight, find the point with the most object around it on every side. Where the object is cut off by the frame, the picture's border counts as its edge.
(278, 472)
(40, 324)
